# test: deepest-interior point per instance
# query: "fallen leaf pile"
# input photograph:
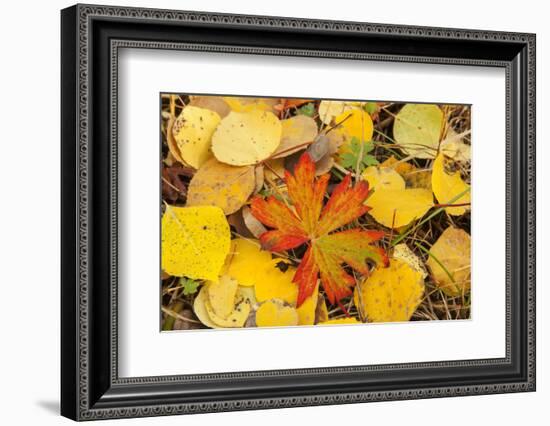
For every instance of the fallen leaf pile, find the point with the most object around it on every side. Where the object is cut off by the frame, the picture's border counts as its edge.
(292, 212)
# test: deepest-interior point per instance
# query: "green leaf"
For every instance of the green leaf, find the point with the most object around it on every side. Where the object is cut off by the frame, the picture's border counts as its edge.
(189, 286)
(307, 109)
(349, 160)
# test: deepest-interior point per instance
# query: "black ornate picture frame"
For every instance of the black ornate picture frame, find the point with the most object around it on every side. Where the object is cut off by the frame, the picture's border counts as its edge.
(91, 38)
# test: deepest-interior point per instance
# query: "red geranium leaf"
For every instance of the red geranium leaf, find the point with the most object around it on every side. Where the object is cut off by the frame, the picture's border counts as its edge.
(311, 222)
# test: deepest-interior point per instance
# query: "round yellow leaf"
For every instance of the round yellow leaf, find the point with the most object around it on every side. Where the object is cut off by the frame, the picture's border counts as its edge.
(272, 283)
(448, 185)
(296, 132)
(221, 185)
(221, 295)
(245, 138)
(390, 294)
(195, 241)
(244, 259)
(397, 208)
(274, 313)
(450, 261)
(417, 128)
(192, 132)
(359, 125)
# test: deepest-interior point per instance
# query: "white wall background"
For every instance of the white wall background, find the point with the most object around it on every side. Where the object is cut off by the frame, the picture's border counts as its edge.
(29, 212)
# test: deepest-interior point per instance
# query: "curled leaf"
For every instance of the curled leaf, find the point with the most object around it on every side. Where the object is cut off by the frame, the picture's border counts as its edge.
(221, 295)
(199, 307)
(195, 241)
(238, 315)
(255, 227)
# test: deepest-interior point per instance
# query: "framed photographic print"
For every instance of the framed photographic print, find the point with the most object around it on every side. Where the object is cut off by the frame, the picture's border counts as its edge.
(263, 212)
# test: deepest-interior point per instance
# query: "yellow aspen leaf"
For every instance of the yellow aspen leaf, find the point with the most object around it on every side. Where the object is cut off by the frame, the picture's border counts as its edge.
(356, 123)
(236, 318)
(275, 313)
(192, 132)
(296, 131)
(347, 320)
(417, 129)
(243, 260)
(248, 104)
(195, 241)
(399, 208)
(199, 307)
(449, 261)
(245, 138)
(213, 103)
(221, 295)
(392, 205)
(390, 294)
(221, 185)
(404, 253)
(273, 280)
(447, 185)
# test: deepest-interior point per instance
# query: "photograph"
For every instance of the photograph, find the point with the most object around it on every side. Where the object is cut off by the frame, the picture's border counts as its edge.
(285, 212)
